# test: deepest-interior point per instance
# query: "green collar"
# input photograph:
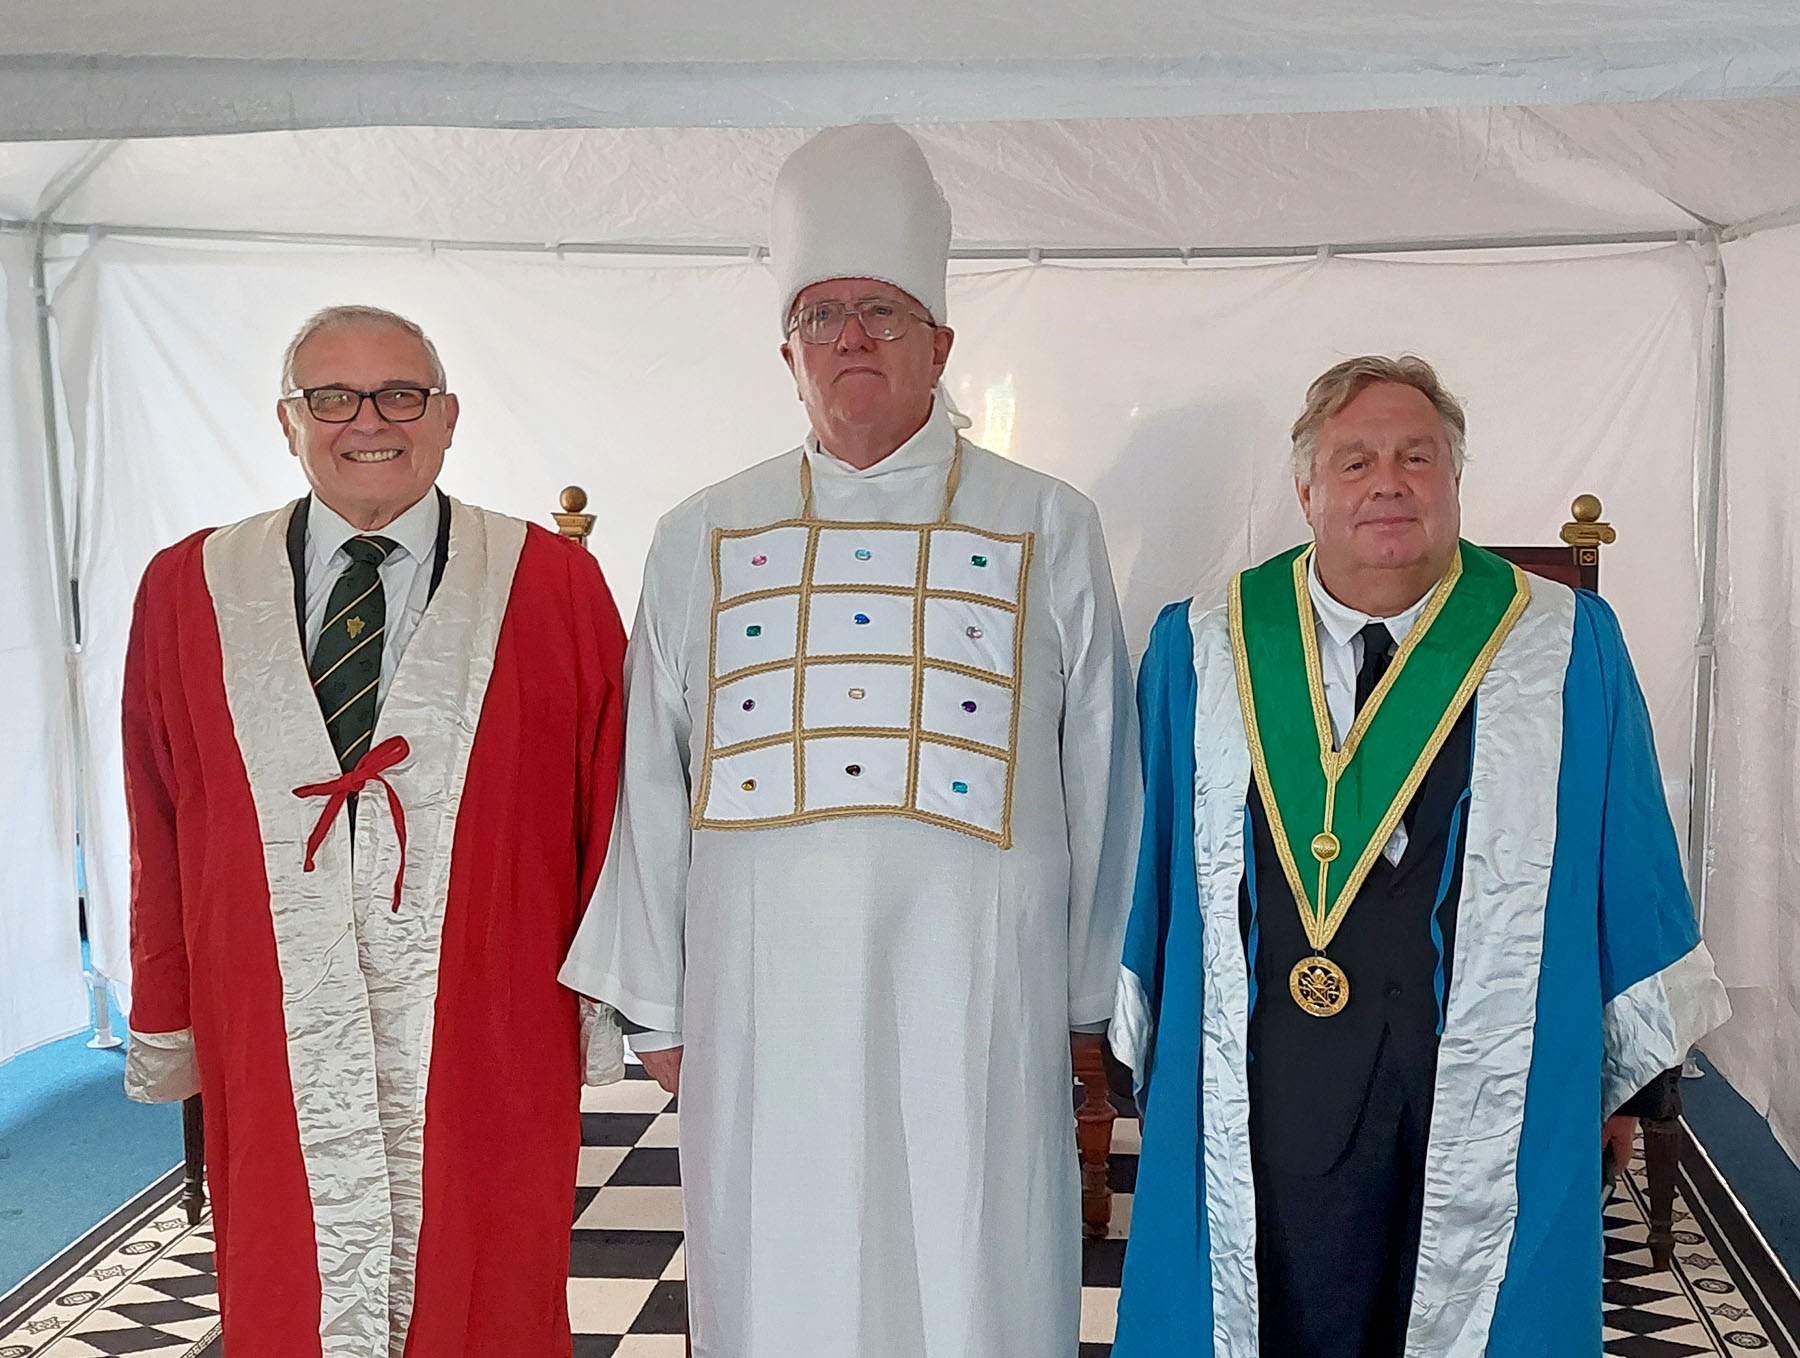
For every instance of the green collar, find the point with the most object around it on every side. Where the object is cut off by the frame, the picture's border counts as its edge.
(1342, 804)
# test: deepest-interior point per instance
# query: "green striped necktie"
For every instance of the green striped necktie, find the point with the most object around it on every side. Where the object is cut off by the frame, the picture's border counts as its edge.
(346, 659)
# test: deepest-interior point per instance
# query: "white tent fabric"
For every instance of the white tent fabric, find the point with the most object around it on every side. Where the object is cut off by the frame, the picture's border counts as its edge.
(1168, 403)
(109, 68)
(545, 260)
(1753, 926)
(41, 995)
(1267, 181)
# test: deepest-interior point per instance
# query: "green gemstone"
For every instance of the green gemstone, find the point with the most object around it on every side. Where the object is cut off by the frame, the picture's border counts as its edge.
(753, 630)
(979, 560)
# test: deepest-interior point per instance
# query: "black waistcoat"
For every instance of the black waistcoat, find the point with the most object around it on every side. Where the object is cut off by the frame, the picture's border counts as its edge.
(1309, 1077)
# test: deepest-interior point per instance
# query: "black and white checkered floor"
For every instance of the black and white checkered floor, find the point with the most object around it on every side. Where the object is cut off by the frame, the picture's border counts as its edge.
(143, 1284)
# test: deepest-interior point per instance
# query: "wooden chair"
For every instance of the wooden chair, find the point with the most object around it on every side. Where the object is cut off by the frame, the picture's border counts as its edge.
(193, 1160)
(576, 525)
(1658, 1106)
(1098, 1072)
(1106, 1083)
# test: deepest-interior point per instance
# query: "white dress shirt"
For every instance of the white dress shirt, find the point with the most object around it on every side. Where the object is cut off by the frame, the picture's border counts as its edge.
(1340, 656)
(405, 575)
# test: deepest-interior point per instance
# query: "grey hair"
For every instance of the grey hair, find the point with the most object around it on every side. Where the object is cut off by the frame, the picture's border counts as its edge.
(357, 317)
(1341, 384)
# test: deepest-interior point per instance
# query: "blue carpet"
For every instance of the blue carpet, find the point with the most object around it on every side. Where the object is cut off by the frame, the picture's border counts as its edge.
(72, 1148)
(1752, 1161)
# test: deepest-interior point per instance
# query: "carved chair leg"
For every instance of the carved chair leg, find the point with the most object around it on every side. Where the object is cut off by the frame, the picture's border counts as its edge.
(1093, 1135)
(1662, 1137)
(193, 1146)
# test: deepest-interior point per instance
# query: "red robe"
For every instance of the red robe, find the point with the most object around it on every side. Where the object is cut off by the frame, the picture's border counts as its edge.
(392, 1093)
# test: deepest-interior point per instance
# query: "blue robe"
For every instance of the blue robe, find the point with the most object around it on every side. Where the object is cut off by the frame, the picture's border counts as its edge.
(1578, 977)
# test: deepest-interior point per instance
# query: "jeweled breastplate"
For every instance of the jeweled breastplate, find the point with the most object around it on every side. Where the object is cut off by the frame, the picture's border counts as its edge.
(864, 669)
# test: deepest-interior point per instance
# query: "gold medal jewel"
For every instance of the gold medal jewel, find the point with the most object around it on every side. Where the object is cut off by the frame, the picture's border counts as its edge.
(1319, 986)
(1325, 846)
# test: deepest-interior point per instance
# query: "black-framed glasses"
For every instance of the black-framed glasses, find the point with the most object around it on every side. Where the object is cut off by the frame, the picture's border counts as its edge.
(340, 405)
(880, 318)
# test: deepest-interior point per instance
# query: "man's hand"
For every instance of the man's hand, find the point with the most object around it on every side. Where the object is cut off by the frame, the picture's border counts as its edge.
(665, 1068)
(1619, 1135)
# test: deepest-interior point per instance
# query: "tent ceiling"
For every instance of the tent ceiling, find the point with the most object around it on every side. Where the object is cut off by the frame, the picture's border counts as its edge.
(114, 67)
(1297, 180)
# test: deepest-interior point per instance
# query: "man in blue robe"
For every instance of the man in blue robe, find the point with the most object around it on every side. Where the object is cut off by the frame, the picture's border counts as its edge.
(1409, 927)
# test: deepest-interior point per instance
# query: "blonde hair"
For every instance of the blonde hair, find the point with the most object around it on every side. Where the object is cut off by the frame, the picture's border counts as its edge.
(352, 317)
(1342, 383)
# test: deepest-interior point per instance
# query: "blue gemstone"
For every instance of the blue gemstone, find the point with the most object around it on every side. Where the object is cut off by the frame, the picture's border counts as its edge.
(862, 620)
(863, 554)
(959, 786)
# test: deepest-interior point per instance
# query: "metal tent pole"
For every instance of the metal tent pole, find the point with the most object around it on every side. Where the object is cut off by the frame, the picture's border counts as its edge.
(1699, 836)
(55, 195)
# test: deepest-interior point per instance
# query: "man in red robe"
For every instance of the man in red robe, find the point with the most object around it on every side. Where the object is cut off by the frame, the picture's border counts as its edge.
(371, 746)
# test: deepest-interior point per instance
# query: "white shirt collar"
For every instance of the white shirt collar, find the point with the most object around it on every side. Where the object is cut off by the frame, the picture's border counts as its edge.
(931, 446)
(1341, 622)
(415, 530)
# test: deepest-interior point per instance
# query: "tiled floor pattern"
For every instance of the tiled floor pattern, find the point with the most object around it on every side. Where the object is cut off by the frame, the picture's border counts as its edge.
(150, 1290)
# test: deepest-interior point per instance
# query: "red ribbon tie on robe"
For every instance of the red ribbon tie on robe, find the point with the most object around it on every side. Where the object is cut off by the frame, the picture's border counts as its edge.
(368, 770)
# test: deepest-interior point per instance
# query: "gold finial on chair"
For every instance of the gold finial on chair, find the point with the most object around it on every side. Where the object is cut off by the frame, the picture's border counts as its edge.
(1586, 532)
(1586, 528)
(572, 523)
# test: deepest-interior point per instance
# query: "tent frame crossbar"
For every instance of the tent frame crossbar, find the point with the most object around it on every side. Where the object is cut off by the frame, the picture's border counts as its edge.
(1025, 253)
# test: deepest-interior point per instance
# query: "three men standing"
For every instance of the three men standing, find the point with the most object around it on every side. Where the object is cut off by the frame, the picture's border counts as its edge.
(1408, 920)
(1409, 923)
(346, 920)
(875, 831)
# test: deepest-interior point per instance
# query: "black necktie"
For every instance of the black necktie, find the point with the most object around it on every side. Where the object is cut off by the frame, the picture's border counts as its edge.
(346, 659)
(1377, 651)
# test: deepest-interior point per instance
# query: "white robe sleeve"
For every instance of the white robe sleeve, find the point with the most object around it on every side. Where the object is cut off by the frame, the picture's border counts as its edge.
(160, 1067)
(629, 951)
(1102, 786)
(602, 1046)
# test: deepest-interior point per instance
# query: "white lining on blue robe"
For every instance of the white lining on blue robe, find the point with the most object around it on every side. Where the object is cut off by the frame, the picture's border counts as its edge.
(1578, 977)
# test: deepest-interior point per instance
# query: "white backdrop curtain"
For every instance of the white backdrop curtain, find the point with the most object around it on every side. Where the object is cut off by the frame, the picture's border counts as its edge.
(1753, 921)
(1164, 391)
(41, 995)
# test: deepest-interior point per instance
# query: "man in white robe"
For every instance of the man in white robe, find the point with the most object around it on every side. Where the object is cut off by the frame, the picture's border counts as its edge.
(873, 849)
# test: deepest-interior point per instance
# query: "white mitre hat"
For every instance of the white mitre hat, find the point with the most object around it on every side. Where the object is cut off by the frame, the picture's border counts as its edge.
(860, 202)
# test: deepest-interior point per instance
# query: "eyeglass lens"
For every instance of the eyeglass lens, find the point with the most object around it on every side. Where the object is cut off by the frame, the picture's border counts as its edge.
(339, 405)
(823, 322)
